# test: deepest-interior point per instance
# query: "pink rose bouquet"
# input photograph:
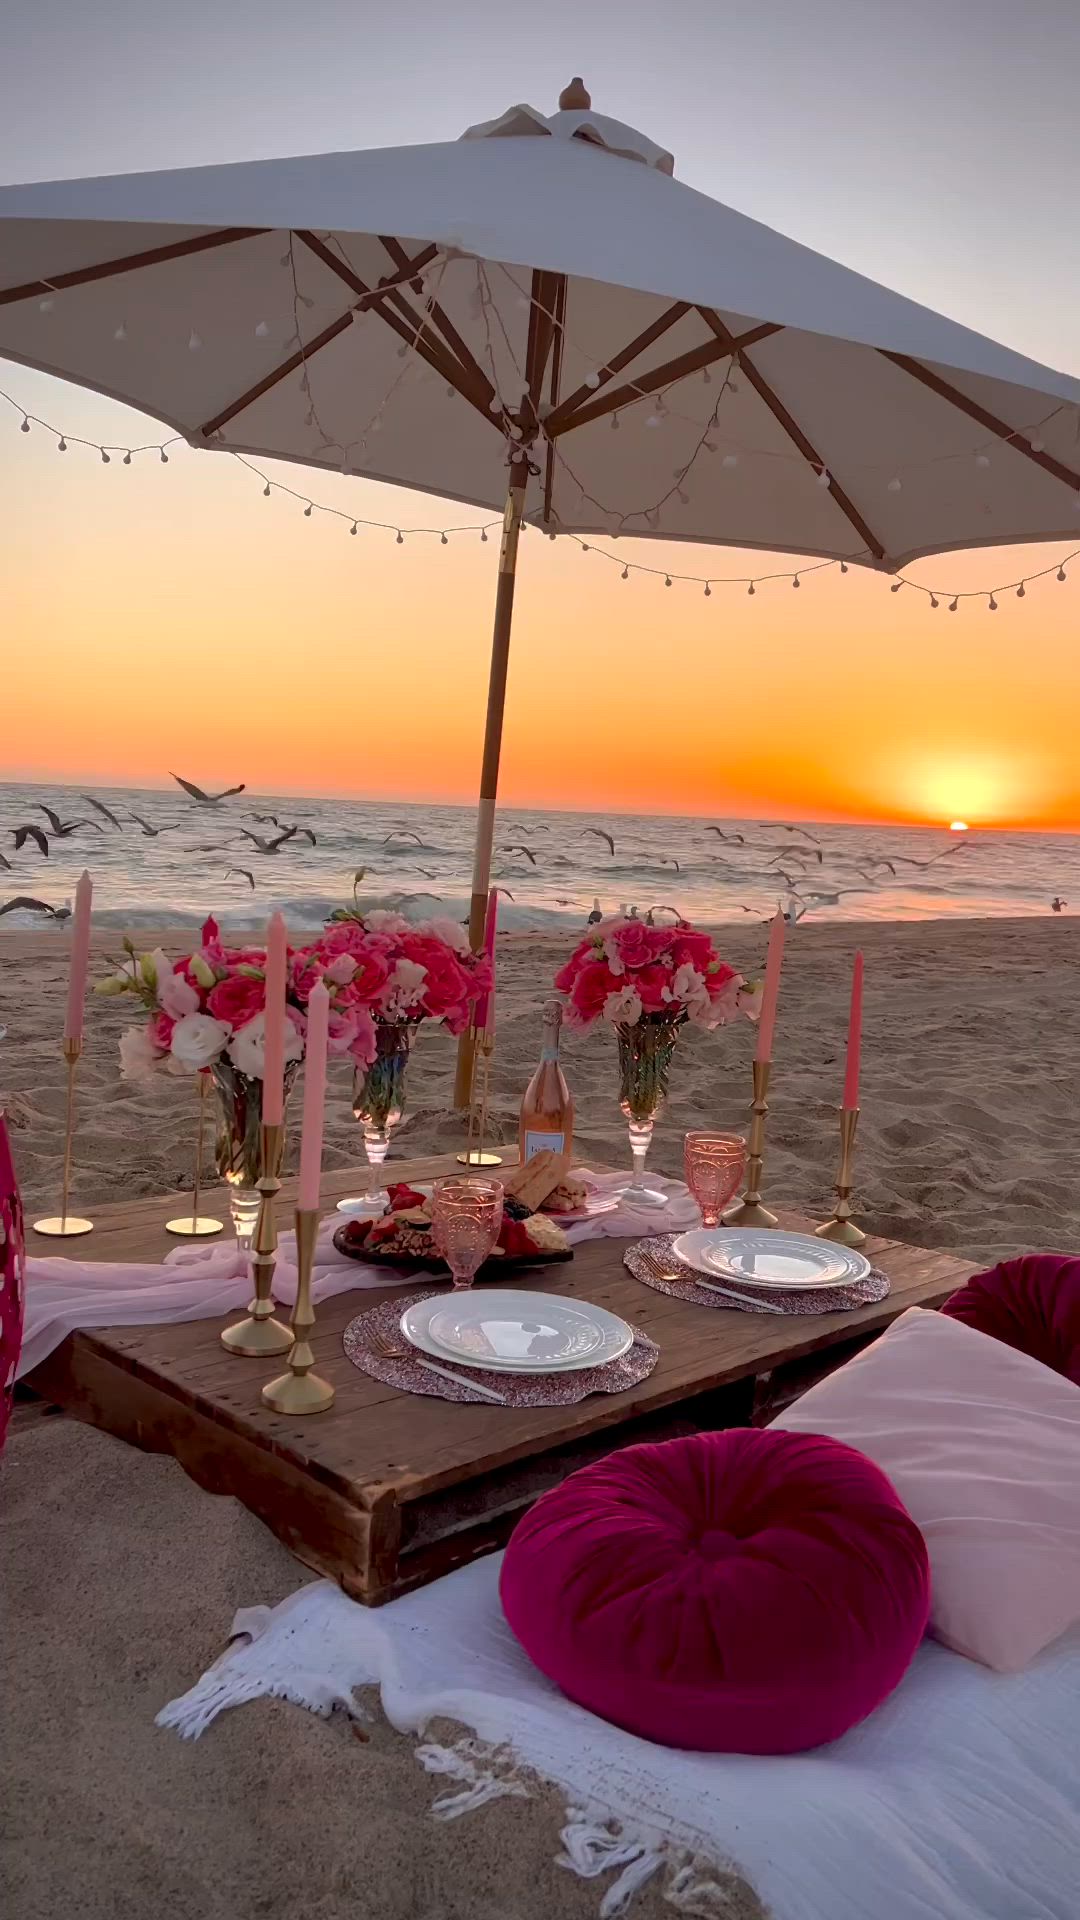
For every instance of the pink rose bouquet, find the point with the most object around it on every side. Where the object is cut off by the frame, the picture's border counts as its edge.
(395, 969)
(624, 969)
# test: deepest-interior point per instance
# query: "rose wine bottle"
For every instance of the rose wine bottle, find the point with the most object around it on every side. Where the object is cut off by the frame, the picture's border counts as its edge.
(547, 1111)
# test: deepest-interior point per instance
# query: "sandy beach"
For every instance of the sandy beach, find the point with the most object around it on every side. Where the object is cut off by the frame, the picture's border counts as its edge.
(971, 1058)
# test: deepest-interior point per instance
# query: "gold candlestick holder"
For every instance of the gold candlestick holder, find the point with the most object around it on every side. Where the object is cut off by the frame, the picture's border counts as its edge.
(841, 1227)
(194, 1225)
(298, 1390)
(749, 1212)
(62, 1225)
(474, 1154)
(259, 1335)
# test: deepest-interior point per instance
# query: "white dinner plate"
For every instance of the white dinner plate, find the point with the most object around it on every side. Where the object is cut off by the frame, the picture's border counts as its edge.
(764, 1257)
(516, 1332)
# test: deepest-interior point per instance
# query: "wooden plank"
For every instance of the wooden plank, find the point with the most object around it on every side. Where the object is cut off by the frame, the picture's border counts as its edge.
(130, 263)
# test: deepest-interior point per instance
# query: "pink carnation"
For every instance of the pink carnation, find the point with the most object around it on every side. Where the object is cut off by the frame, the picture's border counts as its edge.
(161, 1031)
(690, 948)
(447, 986)
(236, 1000)
(637, 945)
(564, 979)
(590, 990)
(650, 984)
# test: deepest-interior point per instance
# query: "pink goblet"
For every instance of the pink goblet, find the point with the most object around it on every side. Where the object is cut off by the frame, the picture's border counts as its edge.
(714, 1165)
(465, 1219)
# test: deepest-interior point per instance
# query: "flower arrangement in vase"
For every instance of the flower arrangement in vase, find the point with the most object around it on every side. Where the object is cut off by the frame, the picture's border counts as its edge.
(402, 973)
(647, 982)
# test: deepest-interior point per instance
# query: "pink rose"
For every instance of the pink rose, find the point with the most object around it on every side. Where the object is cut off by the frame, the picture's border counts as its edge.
(236, 1000)
(633, 944)
(306, 973)
(345, 936)
(161, 1031)
(719, 979)
(690, 948)
(650, 984)
(362, 1047)
(371, 974)
(447, 984)
(589, 992)
(564, 979)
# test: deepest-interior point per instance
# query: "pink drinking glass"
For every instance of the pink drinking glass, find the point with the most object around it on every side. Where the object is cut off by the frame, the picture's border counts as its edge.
(466, 1216)
(714, 1165)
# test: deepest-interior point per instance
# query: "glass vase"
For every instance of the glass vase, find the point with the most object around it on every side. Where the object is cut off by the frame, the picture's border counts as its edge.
(238, 1145)
(379, 1101)
(645, 1051)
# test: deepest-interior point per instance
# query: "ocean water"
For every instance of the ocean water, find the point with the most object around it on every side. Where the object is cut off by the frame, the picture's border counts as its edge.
(422, 854)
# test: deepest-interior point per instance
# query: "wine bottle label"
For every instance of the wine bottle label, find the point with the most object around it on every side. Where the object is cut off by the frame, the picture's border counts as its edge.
(540, 1142)
(550, 1050)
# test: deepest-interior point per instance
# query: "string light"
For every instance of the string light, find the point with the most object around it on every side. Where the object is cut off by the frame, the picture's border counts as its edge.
(1021, 591)
(992, 604)
(730, 460)
(708, 591)
(61, 445)
(163, 456)
(626, 573)
(104, 458)
(614, 423)
(352, 529)
(953, 604)
(262, 331)
(895, 484)
(194, 341)
(25, 428)
(399, 538)
(46, 306)
(896, 586)
(127, 458)
(823, 478)
(796, 582)
(120, 333)
(667, 579)
(751, 589)
(308, 510)
(1036, 445)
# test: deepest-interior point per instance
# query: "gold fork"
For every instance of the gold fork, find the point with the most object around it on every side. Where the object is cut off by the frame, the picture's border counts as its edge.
(391, 1349)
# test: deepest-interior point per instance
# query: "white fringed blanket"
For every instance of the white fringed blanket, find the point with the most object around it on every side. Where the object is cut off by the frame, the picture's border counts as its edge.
(958, 1800)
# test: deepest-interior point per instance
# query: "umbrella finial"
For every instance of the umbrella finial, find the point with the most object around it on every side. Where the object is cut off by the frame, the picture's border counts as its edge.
(575, 97)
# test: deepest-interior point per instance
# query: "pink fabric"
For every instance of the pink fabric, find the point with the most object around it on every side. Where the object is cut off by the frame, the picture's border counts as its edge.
(1032, 1304)
(982, 1444)
(11, 1277)
(737, 1592)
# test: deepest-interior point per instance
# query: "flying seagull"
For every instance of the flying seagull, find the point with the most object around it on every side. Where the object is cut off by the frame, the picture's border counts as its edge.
(268, 846)
(63, 827)
(783, 827)
(206, 799)
(830, 899)
(249, 877)
(152, 832)
(100, 807)
(29, 905)
(666, 858)
(527, 851)
(601, 835)
(405, 834)
(22, 834)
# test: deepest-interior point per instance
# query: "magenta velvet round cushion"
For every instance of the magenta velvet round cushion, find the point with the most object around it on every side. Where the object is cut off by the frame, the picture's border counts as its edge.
(740, 1592)
(1032, 1304)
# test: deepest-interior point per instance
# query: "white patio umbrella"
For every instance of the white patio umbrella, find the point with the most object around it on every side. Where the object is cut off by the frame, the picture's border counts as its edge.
(540, 318)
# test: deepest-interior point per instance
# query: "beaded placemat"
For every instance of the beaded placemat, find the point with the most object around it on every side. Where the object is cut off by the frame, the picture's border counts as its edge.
(517, 1389)
(684, 1286)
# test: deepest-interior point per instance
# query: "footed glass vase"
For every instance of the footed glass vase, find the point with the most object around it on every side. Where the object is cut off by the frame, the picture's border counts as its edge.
(238, 1142)
(379, 1100)
(645, 1051)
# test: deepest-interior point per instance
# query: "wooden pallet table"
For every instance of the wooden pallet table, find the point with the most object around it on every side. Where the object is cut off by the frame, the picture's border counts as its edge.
(388, 1490)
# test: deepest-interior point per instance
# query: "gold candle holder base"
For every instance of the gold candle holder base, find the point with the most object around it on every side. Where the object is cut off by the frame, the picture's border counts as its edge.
(259, 1336)
(841, 1228)
(477, 1158)
(65, 1225)
(749, 1211)
(298, 1390)
(193, 1226)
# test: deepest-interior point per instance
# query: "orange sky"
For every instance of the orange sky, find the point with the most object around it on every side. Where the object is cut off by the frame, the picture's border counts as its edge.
(171, 617)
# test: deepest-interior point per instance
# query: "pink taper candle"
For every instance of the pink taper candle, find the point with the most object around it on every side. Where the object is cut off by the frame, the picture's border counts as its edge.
(80, 959)
(774, 960)
(273, 1104)
(854, 1038)
(484, 1014)
(318, 1017)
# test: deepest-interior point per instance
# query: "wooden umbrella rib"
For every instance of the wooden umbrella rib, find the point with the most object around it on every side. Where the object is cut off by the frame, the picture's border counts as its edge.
(541, 335)
(647, 338)
(427, 345)
(439, 317)
(553, 390)
(130, 263)
(295, 360)
(946, 391)
(692, 361)
(793, 430)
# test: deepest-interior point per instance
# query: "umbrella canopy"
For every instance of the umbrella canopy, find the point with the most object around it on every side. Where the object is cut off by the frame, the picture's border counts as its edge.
(540, 314)
(561, 281)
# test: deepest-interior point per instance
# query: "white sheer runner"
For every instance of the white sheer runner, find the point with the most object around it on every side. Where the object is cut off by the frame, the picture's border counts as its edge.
(200, 1282)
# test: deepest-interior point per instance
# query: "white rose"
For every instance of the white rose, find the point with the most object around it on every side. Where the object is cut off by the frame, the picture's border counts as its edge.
(138, 1055)
(382, 921)
(688, 986)
(175, 995)
(616, 964)
(404, 987)
(197, 1040)
(454, 935)
(247, 1048)
(623, 1006)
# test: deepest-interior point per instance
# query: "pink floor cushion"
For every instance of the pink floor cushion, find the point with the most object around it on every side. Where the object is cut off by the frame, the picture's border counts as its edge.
(737, 1592)
(1032, 1304)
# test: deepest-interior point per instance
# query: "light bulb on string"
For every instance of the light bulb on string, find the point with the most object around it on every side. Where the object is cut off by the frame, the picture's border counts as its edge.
(653, 517)
(164, 456)
(730, 460)
(843, 566)
(667, 579)
(625, 575)
(751, 589)
(127, 458)
(592, 381)
(614, 423)
(708, 591)
(982, 460)
(584, 546)
(305, 300)
(706, 377)
(266, 491)
(992, 605)
(483, 536)
(61, 445)
(732, 385)
(1036, 445)
(895, 484)
(683, 497)
(443, 541)
(796, 582)
(933, 601)
(25, 428)
(1021, 591)
(120, 333)
(194, 341)
(896, 586)
(400, 539)
(104, 458)
(286, 259)
(652, 420)
(307, 511)
(1061, 573)
(821, 478)
(953, 604)
(262, 331)
(402, 353)
(352, 529)
(46, 306)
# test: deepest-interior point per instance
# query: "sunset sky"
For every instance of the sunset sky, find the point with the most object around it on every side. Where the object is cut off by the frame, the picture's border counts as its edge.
(169, 616)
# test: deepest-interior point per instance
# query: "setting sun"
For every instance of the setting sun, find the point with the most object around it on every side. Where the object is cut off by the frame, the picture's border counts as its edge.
(958, 826)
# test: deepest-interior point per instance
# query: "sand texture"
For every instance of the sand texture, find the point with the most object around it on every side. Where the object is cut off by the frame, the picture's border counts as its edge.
(971, 1063)
(274, 1814)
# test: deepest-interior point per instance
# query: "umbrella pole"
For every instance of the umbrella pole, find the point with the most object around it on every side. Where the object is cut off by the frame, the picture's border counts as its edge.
(489, 773)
